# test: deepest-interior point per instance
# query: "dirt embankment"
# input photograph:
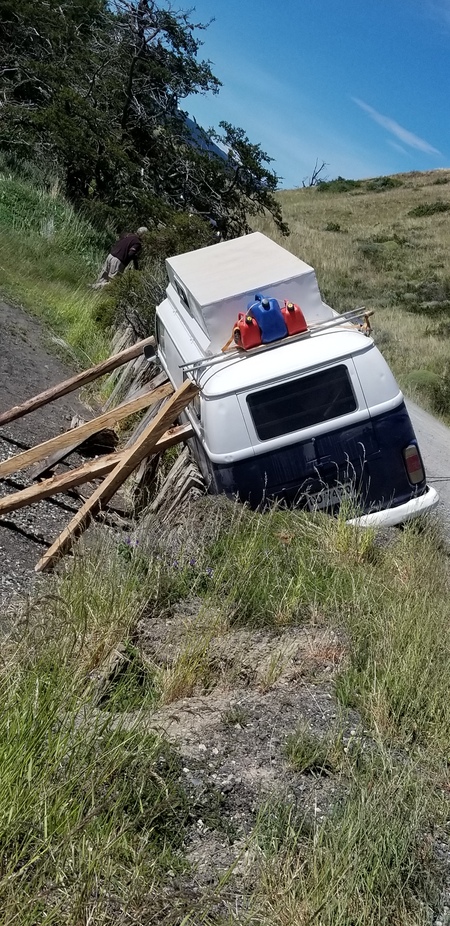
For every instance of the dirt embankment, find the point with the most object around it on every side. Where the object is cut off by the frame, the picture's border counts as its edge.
(29, 363)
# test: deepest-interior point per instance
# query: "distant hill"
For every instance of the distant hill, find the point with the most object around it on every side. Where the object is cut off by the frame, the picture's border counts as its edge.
(202, 140)
(384, 243)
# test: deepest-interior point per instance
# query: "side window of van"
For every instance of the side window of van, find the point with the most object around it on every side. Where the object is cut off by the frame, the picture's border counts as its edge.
(182, 294)
(301, 403)
(160, 335)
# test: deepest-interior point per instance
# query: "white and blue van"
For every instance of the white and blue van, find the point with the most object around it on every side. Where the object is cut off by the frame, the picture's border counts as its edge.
(309, 419)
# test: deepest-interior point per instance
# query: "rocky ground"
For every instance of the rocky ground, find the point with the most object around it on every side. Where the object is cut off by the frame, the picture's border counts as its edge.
(29, 363)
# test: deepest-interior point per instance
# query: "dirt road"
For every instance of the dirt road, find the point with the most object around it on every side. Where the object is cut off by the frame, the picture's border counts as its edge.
(434, 443)
(29, 364)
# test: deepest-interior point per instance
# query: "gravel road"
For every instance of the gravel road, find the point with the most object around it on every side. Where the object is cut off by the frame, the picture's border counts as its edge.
(28, 365)
(434, 442)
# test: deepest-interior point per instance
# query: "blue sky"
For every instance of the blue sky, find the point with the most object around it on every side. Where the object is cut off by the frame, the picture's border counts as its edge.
(360, 84)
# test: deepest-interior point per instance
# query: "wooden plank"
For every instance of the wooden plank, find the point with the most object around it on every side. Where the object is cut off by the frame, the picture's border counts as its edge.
(77, 435)
(135, 374)
(90, 471)
(43, 467)
(129, 461)
(75, 477)
(69, 385)
(155, 381)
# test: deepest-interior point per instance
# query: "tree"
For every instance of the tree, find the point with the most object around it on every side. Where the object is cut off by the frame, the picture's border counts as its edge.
(315, 177)
(95, 88)
(236, 186)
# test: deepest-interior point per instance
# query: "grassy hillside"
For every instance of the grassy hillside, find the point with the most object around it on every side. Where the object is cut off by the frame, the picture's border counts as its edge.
(385, 244)
(231, 717)
(48, 256)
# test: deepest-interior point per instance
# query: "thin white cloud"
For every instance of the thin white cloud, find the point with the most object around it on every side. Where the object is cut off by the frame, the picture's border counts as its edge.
(299, 141)
(408, 138)
(397, 147)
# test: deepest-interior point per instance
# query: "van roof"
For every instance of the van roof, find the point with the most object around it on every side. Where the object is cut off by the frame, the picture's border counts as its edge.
(246, 370)
(242, 265)
(215, 283)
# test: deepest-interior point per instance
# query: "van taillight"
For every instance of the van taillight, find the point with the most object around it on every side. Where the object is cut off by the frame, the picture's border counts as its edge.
(413, 463)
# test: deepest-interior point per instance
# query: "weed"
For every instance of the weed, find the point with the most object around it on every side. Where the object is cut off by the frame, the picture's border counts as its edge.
(363, 865)
(190, 672)
(92, 814)
(310, 754)
(235, 716)
(131, 684)
(270, 672)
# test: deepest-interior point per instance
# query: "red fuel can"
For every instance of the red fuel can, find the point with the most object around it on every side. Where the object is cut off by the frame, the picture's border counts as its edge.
(294, 318)
(246, 333)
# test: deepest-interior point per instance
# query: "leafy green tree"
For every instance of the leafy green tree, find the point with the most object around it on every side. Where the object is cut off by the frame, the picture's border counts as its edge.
(95, 89)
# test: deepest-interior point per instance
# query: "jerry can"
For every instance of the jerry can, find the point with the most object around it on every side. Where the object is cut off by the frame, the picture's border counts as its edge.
(294, 318)
(266, 311)
(246, 333)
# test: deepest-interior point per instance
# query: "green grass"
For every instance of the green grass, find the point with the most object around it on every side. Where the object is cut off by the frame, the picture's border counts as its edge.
(48, 256)
(312, 754)
(93, 817)
(92, 814)
(286, 568)
(365, 865)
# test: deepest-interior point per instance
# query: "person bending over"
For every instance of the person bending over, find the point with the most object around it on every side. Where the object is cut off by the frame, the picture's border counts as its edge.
(124, 252)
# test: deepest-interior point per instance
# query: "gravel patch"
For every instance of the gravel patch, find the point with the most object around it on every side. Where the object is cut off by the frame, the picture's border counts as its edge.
(28, 366)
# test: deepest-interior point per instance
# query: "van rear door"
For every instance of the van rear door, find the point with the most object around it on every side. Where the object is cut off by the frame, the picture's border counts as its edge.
(314, 435)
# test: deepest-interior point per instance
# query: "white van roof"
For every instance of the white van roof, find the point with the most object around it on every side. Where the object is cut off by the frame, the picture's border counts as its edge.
(247, 370)
(217, 282)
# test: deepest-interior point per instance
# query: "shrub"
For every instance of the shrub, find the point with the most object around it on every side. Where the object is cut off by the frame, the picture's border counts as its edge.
(383, 254)
(380, 184)
(441, 393)
(439, 330)
(429, 209)
(436, 387)
(428, 297)
(333, 227)
(339, 185)
(425, 379)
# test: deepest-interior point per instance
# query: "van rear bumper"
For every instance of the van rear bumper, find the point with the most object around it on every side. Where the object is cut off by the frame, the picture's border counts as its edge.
(389, 517)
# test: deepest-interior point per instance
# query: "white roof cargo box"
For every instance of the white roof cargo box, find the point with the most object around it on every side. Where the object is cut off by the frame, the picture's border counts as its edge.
(215, 283)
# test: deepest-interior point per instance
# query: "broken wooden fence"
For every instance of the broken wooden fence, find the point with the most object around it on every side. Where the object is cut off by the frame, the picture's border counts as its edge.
(153, 434)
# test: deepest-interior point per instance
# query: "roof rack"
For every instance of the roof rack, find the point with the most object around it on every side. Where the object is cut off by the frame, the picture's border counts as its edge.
(204, 363)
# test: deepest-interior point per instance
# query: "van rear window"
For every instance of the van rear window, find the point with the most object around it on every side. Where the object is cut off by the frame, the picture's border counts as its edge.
(302, 402)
